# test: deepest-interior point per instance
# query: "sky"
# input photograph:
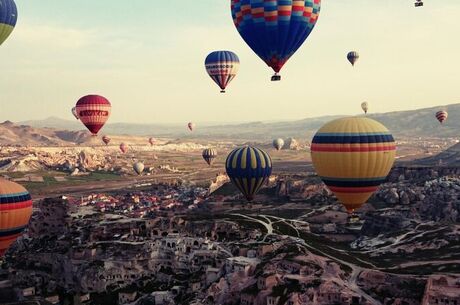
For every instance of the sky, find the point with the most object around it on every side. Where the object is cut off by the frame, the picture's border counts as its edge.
(147, 58)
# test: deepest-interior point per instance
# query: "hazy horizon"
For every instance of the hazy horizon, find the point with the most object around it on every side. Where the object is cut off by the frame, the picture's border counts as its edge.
(137, 55)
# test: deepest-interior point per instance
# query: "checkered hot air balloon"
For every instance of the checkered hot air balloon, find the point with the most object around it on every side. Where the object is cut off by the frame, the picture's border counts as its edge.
(222, 67)
(209, 154)
(248, 168)
(353, 156)
(8, 18)
(93, 111)
(353, 57)
(275, 29)
(441, 116)
(15, 212)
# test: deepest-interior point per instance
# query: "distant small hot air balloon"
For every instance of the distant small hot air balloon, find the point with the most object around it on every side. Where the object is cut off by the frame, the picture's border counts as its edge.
(353, 57)
(8, 18)
(278, 143)
(15, 212)
(248, 168)
(275, 29)
(222, 67)
(138, 167)
(441, 116)
(74, 112)
(353, 156)
(123, 148)
(209, 154)
(365, 107)
(93, 111)
(106, 140)
(191, 126)
(152, 141)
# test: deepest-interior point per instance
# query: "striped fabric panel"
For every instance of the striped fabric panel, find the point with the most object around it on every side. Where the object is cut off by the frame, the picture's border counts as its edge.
(357, 138)
(353, 182)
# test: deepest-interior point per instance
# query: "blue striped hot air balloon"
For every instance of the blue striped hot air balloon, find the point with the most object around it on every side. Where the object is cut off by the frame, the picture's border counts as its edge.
(248, 168)
(222, 67)
(8, 18)
(275, 29)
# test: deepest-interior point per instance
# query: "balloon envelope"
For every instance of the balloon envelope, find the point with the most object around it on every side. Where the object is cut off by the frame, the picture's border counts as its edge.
(74, 112)
(441, 116)
(222, 67)
(138, 167)
(93, 111)
(365, 107)
(209, 154)
(248, 168)
(353, 57)
(353, 156)
(275, 29)
(15, 212)
(152, 141)
(106, 140)
(278, 143)
(8, 18)
(191, 126)
(123, 147)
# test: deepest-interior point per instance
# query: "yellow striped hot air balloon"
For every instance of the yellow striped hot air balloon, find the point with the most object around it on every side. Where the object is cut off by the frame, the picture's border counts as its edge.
(248, 168)
(15, 212)
(353, 156)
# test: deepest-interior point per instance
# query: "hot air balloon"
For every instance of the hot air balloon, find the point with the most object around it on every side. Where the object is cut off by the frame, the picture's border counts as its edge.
(152, 141)
(138, 167)
(248, 168)
(365, 107)
(8, 18)
(441, 116)
(123, 148)
(353, 156)
(353, 57)
(222, 67)
(93, 111)
(275, 29)
(278, 143)
(191, 126)
(106, 140)
(15, 212)
(209, 154)
(74, 112)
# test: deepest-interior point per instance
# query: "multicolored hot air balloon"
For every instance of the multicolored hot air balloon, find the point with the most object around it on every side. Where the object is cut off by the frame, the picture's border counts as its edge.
(15, 212)
(222, 67)
(278, 143)
(138, 167)
(152, 141)
(8, 18)
(275, 29)
(191, 126)
(365, 107)
(123, 148)
(248, 168)
(353, 156)
(93, 111)
(441, 116)
(353, 57)
(106, 140)
(74, 112)
(209, 154)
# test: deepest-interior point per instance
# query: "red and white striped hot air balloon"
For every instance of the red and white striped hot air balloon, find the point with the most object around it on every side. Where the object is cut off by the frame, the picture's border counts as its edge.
(123, 148)
(441, 116)
(93, 111)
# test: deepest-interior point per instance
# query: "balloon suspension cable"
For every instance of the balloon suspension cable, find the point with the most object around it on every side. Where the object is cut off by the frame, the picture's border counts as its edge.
(276, 77)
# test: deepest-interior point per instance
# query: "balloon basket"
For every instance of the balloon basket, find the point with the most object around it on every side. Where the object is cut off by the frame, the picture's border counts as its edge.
(222, 91)
(276, 78)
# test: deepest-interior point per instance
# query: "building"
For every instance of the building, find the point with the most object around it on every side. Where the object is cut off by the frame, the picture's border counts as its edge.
(442, 290)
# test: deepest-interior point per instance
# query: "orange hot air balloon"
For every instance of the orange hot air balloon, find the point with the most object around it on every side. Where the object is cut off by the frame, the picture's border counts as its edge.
(93, 111)
(15, 212)
(123, 148)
